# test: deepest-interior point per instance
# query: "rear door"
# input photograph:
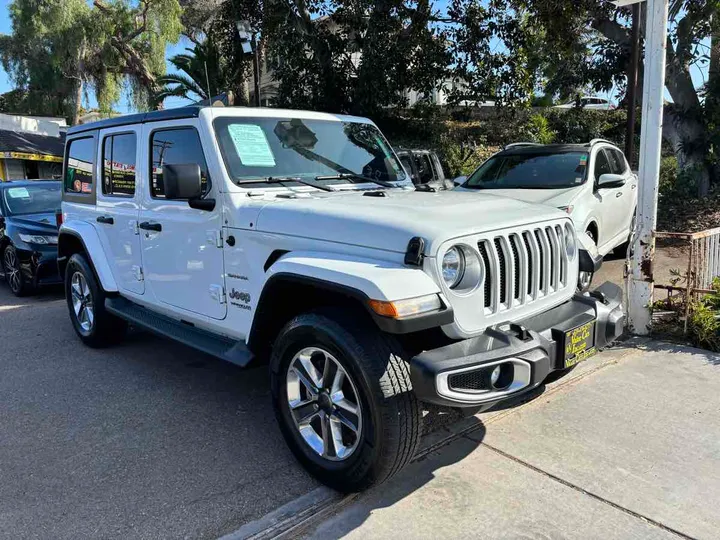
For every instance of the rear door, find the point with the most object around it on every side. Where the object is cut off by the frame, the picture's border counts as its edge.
(628, 198)
(118, 206)
(181, 246)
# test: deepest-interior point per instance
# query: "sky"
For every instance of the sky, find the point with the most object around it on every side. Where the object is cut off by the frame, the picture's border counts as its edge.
(124, 106)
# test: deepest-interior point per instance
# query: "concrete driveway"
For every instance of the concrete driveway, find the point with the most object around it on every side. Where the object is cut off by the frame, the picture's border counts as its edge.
(626, 446)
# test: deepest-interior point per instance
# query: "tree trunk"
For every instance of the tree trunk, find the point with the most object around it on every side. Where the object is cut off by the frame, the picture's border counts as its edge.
(680, 130)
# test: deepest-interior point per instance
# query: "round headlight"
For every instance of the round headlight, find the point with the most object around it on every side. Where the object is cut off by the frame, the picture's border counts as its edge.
(570, 241)
(453, 267)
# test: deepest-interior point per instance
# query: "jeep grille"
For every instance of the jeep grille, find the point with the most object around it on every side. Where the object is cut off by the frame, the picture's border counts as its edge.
(523, 266)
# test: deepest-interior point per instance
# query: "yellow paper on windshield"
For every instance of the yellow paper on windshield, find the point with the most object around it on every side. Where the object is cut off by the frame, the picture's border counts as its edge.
(251, 145)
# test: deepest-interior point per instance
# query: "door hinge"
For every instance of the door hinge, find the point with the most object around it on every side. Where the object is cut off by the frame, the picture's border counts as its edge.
(138, 271)
(217, 293)
(215, 237)
(136, 227)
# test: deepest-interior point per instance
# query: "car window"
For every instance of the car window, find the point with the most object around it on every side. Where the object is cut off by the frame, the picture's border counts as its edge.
(79, 168)
(602, 165)
(617, 161)
(407, 163)
(534, 170)
(425, 168)
(119, 155)
(175, 147)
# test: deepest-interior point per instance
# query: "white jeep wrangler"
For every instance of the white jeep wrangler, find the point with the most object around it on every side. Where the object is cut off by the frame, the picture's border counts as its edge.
(297, 238)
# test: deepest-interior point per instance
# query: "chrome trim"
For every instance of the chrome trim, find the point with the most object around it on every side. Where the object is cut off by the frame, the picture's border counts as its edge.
(521, 380)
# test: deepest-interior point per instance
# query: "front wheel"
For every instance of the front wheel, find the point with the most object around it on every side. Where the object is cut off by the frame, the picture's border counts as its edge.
(86, 303)
(343, 398)
(14, 276)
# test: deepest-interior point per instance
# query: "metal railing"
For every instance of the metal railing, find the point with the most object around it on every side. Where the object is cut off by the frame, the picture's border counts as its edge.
(703, 264)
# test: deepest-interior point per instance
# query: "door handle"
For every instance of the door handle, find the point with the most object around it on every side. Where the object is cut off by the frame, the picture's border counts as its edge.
(148, 226)
(106, 220)
(618, 194)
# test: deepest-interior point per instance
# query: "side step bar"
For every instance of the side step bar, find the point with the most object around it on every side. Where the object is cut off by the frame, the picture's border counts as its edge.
(221, 347)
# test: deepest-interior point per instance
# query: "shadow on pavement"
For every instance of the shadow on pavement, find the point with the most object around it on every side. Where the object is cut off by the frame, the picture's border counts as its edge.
(416, 475)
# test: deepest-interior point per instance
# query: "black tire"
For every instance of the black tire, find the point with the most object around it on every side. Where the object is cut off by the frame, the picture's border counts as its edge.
(14, 276)
(391, 417)
(105, 328)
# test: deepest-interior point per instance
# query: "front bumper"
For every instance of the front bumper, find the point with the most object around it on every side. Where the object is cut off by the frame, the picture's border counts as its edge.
(529, 350)
(39, 266)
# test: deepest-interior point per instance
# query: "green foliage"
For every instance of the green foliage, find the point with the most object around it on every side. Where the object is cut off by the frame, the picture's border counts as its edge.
(60, 48)
(538, 130)
(704, 326)
(668, 176)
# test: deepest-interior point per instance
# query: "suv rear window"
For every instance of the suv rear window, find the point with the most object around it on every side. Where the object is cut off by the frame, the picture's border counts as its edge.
(79, 168)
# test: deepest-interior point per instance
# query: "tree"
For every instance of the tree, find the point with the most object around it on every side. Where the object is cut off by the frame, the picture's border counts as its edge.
(203, 74)
(65, 47)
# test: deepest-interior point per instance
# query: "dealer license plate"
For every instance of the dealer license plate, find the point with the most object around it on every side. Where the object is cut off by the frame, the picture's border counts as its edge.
(579, 344)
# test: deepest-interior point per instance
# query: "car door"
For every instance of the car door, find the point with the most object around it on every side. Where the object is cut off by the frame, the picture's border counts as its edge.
(118, 206)
(608, 208)
(181, 246)
(407, 161)
(628, 198)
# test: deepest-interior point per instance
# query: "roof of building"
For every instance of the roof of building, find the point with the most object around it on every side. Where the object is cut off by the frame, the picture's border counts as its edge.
(139, 118)
(31, 143)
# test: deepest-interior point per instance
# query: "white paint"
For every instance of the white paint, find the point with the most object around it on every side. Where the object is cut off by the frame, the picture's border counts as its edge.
(610, 209)
(29, 124)
(91, 239)
(640, 295)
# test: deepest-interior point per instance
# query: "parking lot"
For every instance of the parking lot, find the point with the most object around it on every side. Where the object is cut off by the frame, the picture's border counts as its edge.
(147, 439)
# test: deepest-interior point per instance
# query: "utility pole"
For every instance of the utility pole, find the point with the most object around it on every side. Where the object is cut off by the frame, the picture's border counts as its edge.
(256, 68)
(632, 84)
(249, 42)
(641, 284)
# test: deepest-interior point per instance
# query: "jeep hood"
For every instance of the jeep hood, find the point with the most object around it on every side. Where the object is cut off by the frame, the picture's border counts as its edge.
(551, 197)
(388, 223)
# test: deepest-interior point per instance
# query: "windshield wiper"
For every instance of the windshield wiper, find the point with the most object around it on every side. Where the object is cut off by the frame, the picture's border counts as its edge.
(282, 179)
(344, 176)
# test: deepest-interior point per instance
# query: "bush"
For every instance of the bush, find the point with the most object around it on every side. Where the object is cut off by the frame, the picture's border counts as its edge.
(538, 130)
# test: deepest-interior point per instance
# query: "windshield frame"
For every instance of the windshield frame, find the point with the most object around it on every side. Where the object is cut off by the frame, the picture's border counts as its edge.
(48, 186)
(351, 182)
(499, 155)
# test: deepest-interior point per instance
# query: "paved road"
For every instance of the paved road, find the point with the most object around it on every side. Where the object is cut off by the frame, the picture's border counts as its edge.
(146, 440)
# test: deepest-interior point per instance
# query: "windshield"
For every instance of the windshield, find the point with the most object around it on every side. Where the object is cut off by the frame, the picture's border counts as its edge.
(531, 171)
(259, 148)
(38, 199)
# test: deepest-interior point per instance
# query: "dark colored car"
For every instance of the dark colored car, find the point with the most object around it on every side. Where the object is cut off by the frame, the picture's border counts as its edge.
(29, 217)
(424, 168)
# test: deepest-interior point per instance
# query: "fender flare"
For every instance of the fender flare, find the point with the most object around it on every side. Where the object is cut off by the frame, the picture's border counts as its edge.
(90, 240)
(356, 278)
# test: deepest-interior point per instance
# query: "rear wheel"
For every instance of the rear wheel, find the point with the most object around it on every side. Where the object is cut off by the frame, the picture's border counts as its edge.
(14, 276)
(86, 303)
(343, 398)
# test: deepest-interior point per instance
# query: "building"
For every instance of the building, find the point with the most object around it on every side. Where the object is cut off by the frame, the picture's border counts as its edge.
(31, 147)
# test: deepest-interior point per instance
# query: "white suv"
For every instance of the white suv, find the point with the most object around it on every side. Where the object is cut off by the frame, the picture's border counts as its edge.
(296, 238)
(591, 182)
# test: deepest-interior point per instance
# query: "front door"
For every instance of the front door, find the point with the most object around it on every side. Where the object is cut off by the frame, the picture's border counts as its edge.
(609, 208)
(182, 248)
(118, 207)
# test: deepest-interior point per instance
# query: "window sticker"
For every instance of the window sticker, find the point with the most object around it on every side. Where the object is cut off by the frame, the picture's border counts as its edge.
(18, 193)
(251, 145)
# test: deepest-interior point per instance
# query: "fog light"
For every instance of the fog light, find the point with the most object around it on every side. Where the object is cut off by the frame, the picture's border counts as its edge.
(495, 376)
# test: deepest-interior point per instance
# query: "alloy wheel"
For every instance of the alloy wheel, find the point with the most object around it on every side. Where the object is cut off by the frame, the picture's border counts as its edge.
(324, 404)
(82, 302)
(12, 270)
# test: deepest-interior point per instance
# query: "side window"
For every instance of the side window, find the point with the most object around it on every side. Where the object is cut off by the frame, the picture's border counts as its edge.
(425, 168)
(602, 165)
(119, 160)
(79, 167)
(617, 161)
(176, 146)
(407, 163)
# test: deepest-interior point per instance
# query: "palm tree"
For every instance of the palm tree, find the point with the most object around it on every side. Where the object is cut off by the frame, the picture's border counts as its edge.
(200, 68)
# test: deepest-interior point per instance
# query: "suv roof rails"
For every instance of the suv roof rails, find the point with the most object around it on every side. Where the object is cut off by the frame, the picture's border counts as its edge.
(597, 141)
(512, 145)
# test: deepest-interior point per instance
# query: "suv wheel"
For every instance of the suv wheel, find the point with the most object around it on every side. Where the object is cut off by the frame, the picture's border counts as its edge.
(86, 302)
(343, 398)
(13, 272)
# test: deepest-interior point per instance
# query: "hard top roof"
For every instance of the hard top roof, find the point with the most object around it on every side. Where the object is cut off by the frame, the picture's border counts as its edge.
(193, 111)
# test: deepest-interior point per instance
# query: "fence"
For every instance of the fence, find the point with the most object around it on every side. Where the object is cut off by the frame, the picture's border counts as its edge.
(703, 264)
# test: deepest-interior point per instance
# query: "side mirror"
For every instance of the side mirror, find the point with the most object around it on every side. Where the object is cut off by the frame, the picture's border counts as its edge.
(611, 180)
(182, 181)
(460, 180)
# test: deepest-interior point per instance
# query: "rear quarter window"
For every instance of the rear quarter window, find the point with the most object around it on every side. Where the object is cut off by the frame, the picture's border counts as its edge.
(79, 170)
